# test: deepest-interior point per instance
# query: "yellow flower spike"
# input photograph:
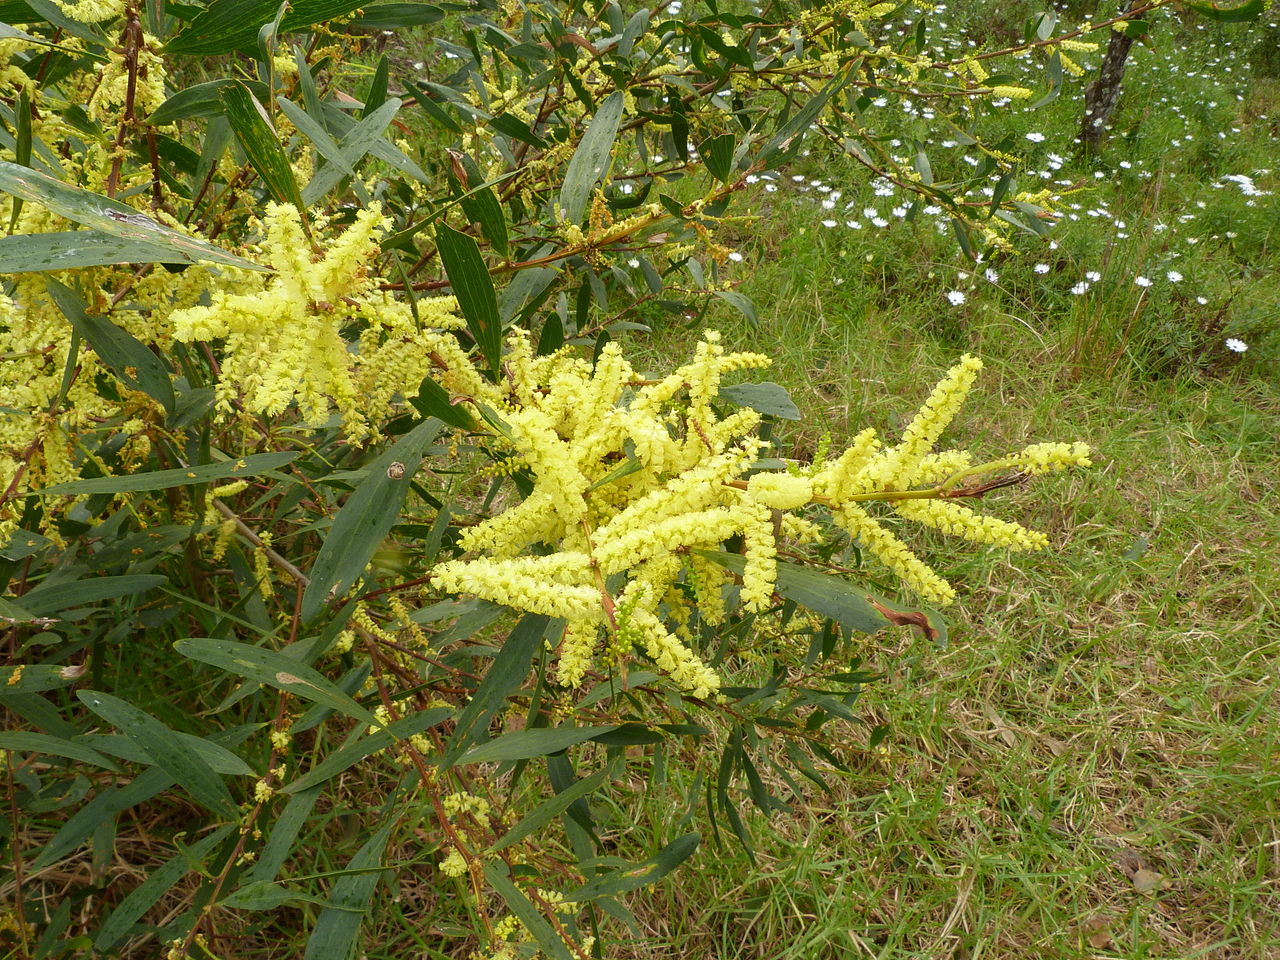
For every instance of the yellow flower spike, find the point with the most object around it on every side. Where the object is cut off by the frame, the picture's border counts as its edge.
(552, 461)
(800, 529)
(893, 553)
(91, 11)
(658, 573)
(577, 648)
(732, 427)
(780, 491)
(595, 419)
(894, 468)
(1038, 458)
(937, 467)
(839, 478)
(760, 574)
(673, 658)
(518, 361)
(495, 580)
(532, 521)
(619, 551)
(689, 492)
(960, 521)
(284, 334)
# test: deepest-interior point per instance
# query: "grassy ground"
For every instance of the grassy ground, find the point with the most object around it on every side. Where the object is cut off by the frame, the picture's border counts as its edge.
(1091, 768)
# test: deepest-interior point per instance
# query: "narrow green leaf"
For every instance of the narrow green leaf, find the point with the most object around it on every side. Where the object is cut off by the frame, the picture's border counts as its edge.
(357, 748)
(1243, 13)
(473, 287)
(766, 397)
(265, 895)
(790, 133)
(1055, 83)
(366, 518)
(20, 678)
(830, 596)
(432, 107)
(117, 348)
(22, 146)
(73, 249)
(52, 746)
(162, 744)
(227, 25)
(642, 874)
(200, 100)
(48, 599)
(549, 809)
(537, 742)
(717, 155)
(110, 216)
(252, 127)
(284, 834)
(503, 677)
(104, 806)
(10, 612)
(923, 167)
(377, 94)
(481, 206)
(338, 926)
(252, 465)
(397, 16)
(311, 128)
(434, 401)
(219, 758)
(499, 877)
(275, 670)
(591, 159)
(517, 129)
(144, 896)
(362, 138)
(742, 303)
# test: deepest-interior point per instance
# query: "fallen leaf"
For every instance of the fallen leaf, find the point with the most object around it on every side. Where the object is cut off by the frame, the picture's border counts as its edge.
(1097, 933)
(1128, 860)
(1148, 881)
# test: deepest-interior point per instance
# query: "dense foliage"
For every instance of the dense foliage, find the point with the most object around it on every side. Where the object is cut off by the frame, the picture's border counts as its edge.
(438, 568)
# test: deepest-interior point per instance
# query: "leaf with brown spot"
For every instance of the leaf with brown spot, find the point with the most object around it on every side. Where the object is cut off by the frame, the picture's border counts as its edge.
(904, 619)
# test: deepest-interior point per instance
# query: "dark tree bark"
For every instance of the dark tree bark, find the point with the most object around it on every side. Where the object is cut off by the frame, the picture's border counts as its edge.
(1102, 95)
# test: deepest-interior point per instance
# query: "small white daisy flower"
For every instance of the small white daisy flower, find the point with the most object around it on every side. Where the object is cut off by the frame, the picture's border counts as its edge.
(1236, 346)
(1142, 281)
(955, 297)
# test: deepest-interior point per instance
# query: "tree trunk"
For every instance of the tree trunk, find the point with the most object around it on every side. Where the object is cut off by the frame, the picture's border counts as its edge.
(1102, 95)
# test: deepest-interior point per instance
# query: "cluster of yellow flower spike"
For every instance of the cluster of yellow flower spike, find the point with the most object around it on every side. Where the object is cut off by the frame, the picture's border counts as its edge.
(284, 340)
(633, 477)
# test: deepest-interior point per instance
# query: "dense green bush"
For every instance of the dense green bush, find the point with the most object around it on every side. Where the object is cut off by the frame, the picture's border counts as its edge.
(326, 484)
